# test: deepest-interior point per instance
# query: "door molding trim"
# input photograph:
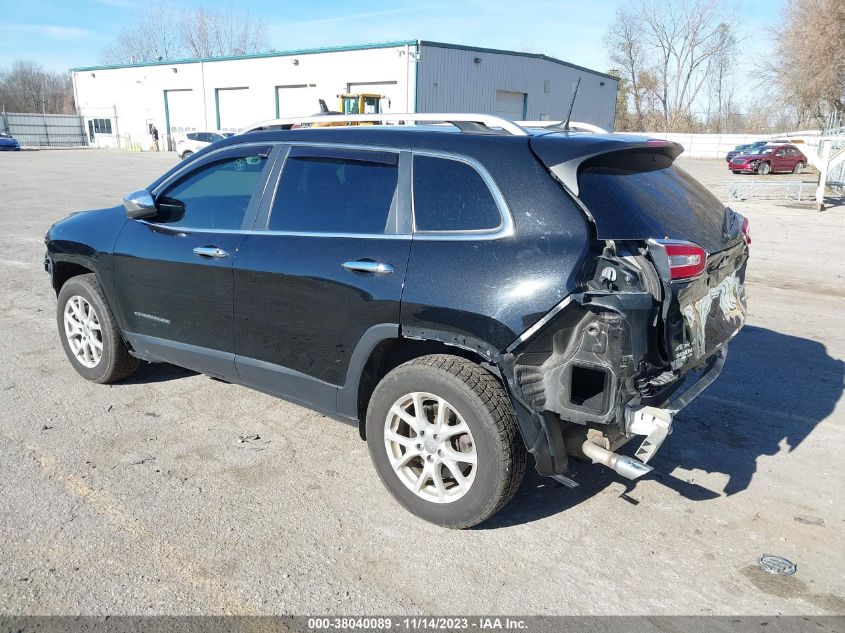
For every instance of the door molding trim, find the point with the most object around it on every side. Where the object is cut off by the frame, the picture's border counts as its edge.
(340, 402)
(202, 359)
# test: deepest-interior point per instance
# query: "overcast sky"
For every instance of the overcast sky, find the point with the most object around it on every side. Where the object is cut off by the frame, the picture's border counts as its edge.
(61, 35)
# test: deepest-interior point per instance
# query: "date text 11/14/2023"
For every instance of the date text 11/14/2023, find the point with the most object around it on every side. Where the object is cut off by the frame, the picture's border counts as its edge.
(417, 623)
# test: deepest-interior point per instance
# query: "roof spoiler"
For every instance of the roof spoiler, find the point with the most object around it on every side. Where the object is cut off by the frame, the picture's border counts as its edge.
(564, 164)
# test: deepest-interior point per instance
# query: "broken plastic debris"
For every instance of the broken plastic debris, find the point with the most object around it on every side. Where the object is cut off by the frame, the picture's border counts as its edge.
(143, 460)
(808, 520)
(777, 565)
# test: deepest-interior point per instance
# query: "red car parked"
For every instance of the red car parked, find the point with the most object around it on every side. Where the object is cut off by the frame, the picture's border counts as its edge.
(768, 159)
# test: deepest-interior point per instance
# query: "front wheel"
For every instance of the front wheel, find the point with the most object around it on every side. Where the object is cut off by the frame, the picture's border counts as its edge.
(443, 437)
(186, 155)
(799, 168)
(764, 168)
(89, 334)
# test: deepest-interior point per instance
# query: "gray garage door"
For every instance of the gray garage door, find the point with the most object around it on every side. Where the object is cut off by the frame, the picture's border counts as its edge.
(511, 105)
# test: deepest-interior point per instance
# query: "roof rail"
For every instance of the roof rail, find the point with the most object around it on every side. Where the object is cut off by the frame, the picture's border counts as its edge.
(465, 122)
(573, 125)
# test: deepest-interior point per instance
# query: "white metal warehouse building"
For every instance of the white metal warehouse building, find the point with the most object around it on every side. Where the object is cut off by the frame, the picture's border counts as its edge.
(119, 103)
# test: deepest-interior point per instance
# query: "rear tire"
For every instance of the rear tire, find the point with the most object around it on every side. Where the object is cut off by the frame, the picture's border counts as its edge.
(89, 333)
(459, 459)
(799, 168)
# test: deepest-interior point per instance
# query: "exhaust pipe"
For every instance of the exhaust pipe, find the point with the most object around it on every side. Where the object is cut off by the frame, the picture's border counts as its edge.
(626, 466)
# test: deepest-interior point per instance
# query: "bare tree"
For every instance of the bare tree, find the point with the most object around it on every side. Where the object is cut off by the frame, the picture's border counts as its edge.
(721, 89)
(530, 46)
(160, 32)
(677, 43)
(808, 63)
(152, 35)
(624, 39)
(229, 31)
(27, 87)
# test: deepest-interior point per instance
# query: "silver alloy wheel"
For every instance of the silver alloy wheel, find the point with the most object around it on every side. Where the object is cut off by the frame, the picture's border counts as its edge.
(430, 447)
(83, 332)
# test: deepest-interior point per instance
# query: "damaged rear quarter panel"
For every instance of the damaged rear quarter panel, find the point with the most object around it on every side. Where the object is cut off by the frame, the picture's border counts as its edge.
(708, 311)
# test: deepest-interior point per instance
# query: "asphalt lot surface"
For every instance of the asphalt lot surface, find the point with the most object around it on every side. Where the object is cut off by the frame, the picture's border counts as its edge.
(141, 498)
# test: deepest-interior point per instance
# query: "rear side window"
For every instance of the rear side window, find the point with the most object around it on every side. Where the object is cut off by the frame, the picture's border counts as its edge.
(214, 196)
(336, 191)
(450, 195)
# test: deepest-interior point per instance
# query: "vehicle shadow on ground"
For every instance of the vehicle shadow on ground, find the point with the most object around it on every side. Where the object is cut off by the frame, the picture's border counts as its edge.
(774, 390)
(149, 373)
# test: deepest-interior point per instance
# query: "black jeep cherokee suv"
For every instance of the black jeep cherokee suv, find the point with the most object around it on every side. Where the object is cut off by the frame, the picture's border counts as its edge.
(464, 297)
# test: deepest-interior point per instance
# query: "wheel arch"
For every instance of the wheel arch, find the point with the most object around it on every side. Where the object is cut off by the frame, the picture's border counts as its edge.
(63, 270)
(382, 349)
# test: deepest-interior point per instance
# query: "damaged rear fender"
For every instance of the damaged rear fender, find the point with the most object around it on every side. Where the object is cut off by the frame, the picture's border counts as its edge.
(579, 365)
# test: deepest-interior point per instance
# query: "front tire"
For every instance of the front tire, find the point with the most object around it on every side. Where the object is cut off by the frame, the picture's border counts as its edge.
(444, 440)
(799, 168)
(764, 169)
(186, 155)
(89, 333)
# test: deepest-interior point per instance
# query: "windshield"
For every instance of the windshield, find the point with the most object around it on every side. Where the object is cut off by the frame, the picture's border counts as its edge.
(762, 149)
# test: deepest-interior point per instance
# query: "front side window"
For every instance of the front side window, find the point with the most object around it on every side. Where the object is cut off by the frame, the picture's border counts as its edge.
(336, 192)
(450, 195)
(215, 195)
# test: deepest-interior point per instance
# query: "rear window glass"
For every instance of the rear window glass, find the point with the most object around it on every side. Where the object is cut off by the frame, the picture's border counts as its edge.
(451, 196)
(324, 194)
(638, 195)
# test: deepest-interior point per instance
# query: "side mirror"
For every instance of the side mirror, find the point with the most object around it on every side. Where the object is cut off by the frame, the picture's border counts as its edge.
(139, 204)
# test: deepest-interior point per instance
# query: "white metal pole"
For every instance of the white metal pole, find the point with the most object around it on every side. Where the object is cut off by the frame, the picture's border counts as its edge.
(824, 167)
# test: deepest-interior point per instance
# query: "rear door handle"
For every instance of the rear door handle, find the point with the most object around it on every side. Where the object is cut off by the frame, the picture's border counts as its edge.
(369, 266)
(210, 251)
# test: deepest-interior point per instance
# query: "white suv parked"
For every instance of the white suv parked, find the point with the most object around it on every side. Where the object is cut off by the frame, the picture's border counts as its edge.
(190, 142)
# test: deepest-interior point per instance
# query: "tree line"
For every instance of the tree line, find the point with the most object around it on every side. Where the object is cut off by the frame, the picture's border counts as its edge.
(163, 32)
(157, 32)
(26, 87)
(676, 62)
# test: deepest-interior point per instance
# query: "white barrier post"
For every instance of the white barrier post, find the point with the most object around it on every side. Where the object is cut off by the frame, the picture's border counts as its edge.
(823, 169)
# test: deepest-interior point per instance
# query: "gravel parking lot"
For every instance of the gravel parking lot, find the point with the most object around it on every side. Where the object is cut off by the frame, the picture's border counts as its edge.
(175, 493)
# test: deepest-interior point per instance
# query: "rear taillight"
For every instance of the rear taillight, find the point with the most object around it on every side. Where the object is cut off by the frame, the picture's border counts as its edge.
(679, 260)
(746, 235)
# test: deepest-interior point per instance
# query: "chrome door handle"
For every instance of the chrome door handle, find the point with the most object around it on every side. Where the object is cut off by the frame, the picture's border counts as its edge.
(367, 266)
(210, 251)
